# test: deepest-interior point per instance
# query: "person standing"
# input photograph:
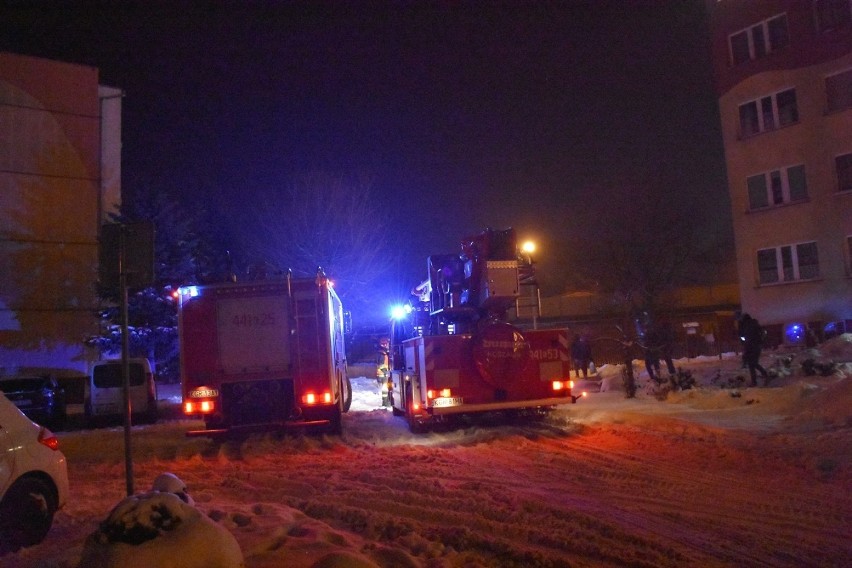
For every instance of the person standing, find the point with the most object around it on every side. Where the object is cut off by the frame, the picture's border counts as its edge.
(666, 337)
(751, 334)
(383, 369)
(581, 354)
(651, 349)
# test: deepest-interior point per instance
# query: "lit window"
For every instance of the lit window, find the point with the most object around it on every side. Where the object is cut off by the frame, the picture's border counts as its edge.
(838, 91)
(768, 113)
(844, 172)
(777, 187)
(832, 14)
(759, 40)
(788, 263)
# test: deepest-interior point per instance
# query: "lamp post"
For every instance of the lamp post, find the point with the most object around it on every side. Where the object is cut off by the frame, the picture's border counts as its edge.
(528, 248)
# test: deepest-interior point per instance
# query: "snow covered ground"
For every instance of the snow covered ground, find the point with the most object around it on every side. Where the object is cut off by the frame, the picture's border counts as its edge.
(711, 476)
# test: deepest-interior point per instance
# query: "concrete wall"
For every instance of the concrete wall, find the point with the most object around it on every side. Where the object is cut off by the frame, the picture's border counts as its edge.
(50, 210)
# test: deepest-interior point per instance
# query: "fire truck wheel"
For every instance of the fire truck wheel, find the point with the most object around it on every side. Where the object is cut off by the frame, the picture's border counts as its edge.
(346, 389)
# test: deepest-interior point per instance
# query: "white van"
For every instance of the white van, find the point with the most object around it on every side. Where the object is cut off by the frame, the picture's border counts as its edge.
(106, 390)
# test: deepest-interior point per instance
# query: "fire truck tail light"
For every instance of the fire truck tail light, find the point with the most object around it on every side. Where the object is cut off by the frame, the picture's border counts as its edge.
(415, 406)
(571, 384)
(444, 393)
(204, 407)
(558, 385)
(311, 399)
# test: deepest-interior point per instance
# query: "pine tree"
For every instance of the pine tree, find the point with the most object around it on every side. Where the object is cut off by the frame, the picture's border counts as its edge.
(181, 257)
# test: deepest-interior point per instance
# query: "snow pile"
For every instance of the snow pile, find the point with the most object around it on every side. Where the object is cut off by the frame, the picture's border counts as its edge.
(171, 483)
(160, 529)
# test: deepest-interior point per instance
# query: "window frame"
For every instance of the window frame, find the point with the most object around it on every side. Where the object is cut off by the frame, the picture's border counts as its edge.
(848, 177)
(835, 26)
(786, 257)
(760, 113)
(829, 107)
(786, 198)
(764, 36)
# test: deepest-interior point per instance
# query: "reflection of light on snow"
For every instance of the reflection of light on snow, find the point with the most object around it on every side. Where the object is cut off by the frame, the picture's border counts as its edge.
(365, 394)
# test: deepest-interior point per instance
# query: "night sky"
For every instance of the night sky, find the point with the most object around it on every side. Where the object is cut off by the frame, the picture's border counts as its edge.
(466, 115)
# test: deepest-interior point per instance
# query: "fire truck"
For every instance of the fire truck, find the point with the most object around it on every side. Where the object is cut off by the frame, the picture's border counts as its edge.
(454, 353)
(264, 354)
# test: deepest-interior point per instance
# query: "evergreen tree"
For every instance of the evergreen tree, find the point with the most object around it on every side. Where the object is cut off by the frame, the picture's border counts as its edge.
(181, 256)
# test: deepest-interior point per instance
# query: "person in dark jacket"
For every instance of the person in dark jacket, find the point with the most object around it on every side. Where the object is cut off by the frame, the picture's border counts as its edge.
(651, 351)
(581, 354)
(666, 336)
(751, 334)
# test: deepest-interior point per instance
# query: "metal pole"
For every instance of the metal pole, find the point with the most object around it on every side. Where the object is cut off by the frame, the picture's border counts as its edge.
(537, 304)
(534, 290)
(125, 360)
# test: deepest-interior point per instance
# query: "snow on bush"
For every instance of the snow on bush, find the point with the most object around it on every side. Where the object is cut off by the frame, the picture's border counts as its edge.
(159, 529)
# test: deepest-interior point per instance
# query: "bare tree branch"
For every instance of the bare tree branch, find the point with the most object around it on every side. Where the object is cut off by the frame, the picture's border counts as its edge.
(322, 220)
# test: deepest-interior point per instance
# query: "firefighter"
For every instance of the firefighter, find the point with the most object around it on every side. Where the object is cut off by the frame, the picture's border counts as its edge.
(383, 368)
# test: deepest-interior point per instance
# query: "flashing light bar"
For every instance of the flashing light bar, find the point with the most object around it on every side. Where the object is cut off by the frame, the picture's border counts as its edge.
(191, 291)
(400, 311)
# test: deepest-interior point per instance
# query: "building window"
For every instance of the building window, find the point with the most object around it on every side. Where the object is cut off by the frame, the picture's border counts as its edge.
(786, 185)
(759, 40)
(832, 14)
(768, 113)
(838, 91)
(843, 165)
(788, 263)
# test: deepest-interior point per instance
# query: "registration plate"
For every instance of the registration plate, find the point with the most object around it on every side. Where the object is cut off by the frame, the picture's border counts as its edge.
(203, 393)
(448, 401)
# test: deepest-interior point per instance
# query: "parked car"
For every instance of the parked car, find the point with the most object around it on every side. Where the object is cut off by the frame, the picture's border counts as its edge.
(33, 479)
(39, 397)
(106, 390)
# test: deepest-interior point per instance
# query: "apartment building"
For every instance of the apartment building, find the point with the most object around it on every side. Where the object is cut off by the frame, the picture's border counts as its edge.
(60, 172)
(783, 71)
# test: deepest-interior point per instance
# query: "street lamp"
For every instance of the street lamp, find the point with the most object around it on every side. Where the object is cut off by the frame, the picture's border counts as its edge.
(528, 248)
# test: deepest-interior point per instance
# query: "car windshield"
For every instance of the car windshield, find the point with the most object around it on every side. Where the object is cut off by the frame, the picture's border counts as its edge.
(110, 376)
(22, 384)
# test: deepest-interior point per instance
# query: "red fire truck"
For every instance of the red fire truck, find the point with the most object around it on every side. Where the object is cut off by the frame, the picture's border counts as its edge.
(263, 354)
(455, 354)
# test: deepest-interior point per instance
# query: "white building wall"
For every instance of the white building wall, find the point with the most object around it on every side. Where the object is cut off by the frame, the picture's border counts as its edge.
(826, 217)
